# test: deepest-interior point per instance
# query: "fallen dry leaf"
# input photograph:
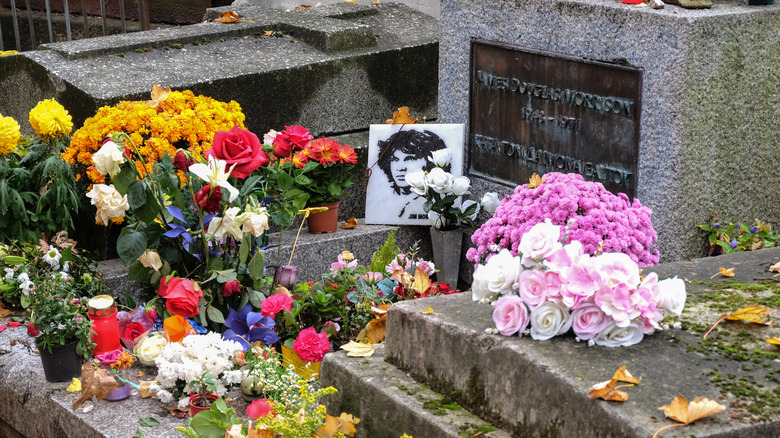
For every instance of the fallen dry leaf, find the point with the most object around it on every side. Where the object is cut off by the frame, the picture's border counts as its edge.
(139, 374)
(686, 413)
(297, 8)
(428, 311)
(159, 95)
(401, 117)
(536, 181)
(353, 2)
(376, 3)
(349, 224)
(374, 331)
(357, 349)
(344, 424)
(144, 391)
(622, 375)
(775, 268)
(773, 341)
(227, 17)
(95, 381)
(755, 314)
(608, 391)
(724, 272)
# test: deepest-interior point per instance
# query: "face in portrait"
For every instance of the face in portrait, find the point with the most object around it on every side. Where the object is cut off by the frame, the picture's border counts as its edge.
(398, 152)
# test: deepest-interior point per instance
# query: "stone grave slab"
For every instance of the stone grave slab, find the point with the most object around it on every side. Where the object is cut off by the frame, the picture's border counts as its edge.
(539, 388)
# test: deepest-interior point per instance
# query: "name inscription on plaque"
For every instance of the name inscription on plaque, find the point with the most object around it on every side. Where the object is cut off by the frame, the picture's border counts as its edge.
(533, 112)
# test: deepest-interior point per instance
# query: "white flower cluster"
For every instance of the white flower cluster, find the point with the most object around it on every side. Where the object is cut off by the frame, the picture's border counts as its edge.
(276, 382)
(186, 362)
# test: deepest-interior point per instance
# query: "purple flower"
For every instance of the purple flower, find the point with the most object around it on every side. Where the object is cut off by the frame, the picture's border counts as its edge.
(753, 229)
(247, 327)
(734, 244)
(716, 225)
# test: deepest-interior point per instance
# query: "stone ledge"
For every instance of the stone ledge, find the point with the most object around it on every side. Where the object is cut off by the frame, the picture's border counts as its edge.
(391, 403)
(535, 388)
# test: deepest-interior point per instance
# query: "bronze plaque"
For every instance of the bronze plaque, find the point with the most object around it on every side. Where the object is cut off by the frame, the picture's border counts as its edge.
(535, 112)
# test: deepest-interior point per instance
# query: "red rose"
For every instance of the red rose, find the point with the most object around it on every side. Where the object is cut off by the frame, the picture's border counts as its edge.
(31, 331)
(182, 162)
(294, 137)
(311, 346)
(230, 288)
(275, 304)
(134, 330)
(208, 199)
(181, 296)
(240, 147)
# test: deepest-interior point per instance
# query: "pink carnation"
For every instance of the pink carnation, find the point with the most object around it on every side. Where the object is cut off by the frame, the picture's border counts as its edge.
(275, 304)
(311, 346)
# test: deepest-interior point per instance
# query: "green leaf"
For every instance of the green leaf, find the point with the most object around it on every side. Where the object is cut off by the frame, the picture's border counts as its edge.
(255, 297)
(153, 233)
(148, 422)
(123, 179)
(243, 250)
(129, 300)
(226, 275)
(138, 272)
(130, 245)
(138, 433)
(257, 265)
(215, 315)
(285, 181)
(14, 260)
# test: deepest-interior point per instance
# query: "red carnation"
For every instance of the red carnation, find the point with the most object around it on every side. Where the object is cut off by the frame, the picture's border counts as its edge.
(208, 199)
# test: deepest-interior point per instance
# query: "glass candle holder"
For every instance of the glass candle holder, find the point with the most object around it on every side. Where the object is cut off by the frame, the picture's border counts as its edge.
(105, 326)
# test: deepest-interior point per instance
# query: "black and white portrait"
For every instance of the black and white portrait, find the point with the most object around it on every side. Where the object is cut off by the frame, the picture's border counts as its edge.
(393, 152)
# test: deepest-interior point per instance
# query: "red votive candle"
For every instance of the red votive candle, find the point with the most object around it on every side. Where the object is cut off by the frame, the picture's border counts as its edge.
(105, 326)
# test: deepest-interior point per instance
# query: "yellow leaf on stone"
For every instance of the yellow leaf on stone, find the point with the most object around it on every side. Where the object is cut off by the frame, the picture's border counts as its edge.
(401, 117)
(622, 375)
(724, 272)
(686, 413)
(75, 385)
(143, 390)
(227, 17)
(427, 311)
(608, 391)
(356, 349)
(352, 2)
(755, 313)
(775, 268)
(773, 341)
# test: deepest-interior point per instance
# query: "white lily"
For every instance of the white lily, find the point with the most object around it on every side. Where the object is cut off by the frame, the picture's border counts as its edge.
(214, 174)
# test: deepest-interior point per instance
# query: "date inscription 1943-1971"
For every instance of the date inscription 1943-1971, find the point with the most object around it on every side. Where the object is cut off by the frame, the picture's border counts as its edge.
(534, 112)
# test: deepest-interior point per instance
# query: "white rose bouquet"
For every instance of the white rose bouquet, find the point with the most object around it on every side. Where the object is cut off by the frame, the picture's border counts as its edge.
(442, 192)
(555, 288)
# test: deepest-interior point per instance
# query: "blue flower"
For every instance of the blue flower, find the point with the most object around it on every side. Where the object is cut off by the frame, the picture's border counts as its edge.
(734, 243)
(716, 225)
(753, 229)
(247, 327)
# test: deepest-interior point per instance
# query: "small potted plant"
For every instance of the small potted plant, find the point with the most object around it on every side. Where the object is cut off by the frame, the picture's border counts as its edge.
(63, 328)
(204, 392)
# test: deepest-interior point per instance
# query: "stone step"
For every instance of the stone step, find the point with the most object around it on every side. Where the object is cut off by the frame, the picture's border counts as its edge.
(390, 403)
(539, 388)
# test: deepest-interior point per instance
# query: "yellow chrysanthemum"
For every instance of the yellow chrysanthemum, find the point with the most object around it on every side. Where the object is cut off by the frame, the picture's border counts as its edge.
(9, 135)
(182, 120)
(50, 119)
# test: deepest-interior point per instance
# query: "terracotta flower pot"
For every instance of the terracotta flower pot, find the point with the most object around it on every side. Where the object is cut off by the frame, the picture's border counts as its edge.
(194, 408)
(303, 368)
(326, 221)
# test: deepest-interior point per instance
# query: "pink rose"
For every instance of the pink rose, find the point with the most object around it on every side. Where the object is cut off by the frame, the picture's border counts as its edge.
(588, 320)
(510, 315)
(294, 137)
(275, 304)
(533, 287)
(240, 147)
(540, 241)
(231, 287)
(311, 346)
(181, 296)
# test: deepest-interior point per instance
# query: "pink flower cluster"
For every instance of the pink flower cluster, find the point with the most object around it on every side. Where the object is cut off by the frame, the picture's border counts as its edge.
(595, 217)
(601, 298)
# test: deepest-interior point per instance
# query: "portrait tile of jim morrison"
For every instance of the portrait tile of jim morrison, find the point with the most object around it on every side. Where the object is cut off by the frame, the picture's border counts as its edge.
(394, 151)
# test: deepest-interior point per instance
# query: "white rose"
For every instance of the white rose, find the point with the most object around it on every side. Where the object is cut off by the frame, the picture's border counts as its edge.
(490, 202)
(441, 157)
(269, 137)
(108, 159)
(614, 336)
(502, 271)
(549, 319)
(417, 182)
(437, 221)
(151, 259)
(460, 185)
(440, 181)
(672, 296)
(479, 285)
(255, 222)
(540, 241)
(466, 205)
(150, 347)
(231, 223)
(110, 204)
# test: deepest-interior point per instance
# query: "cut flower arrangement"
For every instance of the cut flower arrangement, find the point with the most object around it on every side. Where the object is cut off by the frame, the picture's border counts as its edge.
(554, 287)
(598, 219)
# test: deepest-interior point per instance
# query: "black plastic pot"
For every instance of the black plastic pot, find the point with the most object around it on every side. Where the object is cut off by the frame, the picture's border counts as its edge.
(62, 364)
